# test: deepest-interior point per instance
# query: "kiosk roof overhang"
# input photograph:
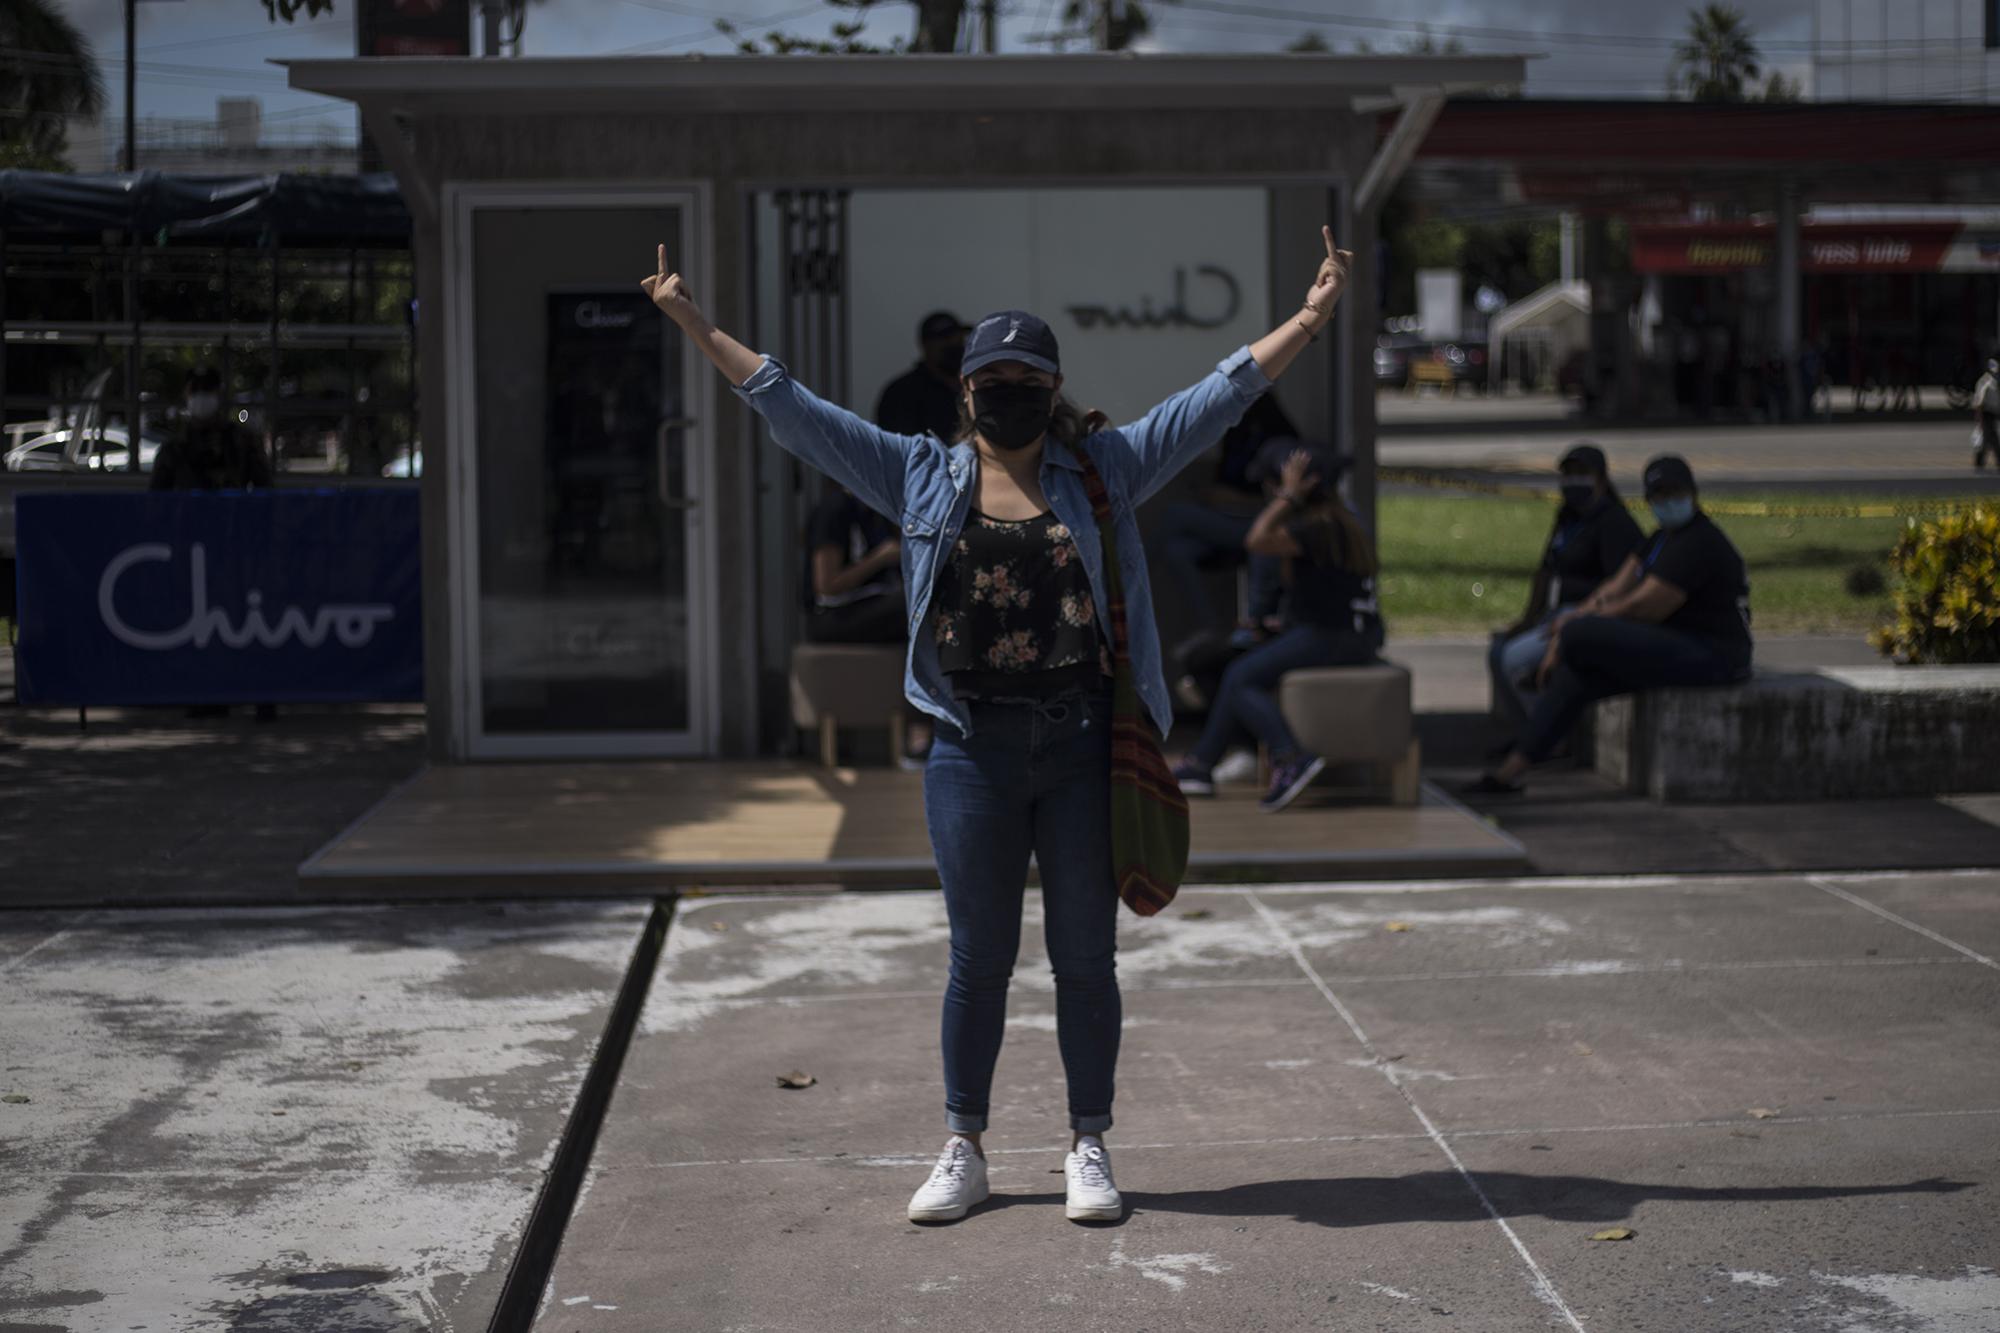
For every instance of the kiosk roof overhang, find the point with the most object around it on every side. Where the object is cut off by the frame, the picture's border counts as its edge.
(712, 84)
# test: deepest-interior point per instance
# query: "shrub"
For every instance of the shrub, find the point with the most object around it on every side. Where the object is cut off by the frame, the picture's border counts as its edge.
(1865, 580)
(1947, 600)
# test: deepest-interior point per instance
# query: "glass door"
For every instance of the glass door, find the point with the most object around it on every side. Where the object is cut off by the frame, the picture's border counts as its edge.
(587, 626)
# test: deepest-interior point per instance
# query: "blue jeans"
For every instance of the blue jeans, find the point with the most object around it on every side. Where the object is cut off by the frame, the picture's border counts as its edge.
(1031, 778)
(1508, 660)
(1246, 705)
(1602, 657)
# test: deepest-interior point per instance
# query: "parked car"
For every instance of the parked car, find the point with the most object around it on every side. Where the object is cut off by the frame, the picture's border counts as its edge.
(1467, 361)
(74, 449)
(1393, 352)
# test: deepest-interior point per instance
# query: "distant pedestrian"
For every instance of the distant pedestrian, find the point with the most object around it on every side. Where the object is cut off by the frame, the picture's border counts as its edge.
(1590, 541)
(1327, 563)
(1986, 416)
(1034, 644)
(924, 399)
(1678, 613)
(207, 449)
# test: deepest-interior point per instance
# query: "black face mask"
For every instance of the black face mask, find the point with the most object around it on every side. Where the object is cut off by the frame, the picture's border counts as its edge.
(1012, 416)
(1578, 494)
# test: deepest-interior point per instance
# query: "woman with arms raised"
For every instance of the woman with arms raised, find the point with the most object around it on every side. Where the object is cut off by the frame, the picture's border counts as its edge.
(1020, 552)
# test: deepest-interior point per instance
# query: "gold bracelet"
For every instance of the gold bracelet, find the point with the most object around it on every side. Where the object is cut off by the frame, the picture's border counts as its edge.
(1310, 335)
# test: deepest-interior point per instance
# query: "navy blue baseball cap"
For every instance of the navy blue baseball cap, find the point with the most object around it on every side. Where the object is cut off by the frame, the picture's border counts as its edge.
(1011, 335)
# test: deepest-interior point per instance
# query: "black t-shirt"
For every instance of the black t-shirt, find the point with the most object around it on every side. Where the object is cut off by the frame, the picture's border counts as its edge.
(1702, 562)
(1586, 549)
(919, 403)
(842, 520)
(1324, 592)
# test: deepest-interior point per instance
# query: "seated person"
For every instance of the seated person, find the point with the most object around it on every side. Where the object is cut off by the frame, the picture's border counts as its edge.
(854, 577)
(1208, 534)
(1594, 535)
(1677, 613)
(1331, 619)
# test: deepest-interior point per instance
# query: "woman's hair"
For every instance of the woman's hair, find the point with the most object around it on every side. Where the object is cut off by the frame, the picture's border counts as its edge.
(1351, 541)
(1069, 424)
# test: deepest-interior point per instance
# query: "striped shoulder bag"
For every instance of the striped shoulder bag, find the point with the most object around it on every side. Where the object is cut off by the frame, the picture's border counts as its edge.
(1149, 813)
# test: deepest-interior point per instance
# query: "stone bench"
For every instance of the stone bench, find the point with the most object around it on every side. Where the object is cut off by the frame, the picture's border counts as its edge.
(1356, 715)
(1831, 734)
(837, 685)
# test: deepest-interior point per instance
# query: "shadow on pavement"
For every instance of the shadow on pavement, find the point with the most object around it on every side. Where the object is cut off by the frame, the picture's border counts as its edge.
(1441, 1196)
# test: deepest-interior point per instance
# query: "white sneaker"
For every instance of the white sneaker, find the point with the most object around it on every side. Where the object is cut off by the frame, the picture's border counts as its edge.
(1093, 1196)
(957, 1182)
(1237, 766)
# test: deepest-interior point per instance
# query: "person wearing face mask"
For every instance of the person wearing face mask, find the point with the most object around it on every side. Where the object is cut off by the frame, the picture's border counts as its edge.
(1014, 622)
(207, 450)
(1593, 536)
(924, 400)
(1677, 613)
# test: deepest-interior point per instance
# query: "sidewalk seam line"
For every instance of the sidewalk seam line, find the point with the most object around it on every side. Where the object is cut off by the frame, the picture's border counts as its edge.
(1543, 1287)
(1820, 882)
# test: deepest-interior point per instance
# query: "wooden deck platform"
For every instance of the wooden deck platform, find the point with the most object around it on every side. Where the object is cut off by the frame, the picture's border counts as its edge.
(576, 828)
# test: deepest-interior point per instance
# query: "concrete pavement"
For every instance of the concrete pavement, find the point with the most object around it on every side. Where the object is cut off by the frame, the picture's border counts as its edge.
(1786, 1087)
(288, 1120)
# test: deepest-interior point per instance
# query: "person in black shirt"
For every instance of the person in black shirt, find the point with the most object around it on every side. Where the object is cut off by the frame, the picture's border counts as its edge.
(1593, 536)
(207, 450)
(1678, 613)
(1331, 619)
(854, 580)
(925, 400)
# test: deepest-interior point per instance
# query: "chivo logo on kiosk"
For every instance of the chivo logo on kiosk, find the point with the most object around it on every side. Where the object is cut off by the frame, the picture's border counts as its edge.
(351, 623)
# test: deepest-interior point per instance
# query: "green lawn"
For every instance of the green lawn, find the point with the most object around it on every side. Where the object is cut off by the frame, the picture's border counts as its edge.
(1456, 563)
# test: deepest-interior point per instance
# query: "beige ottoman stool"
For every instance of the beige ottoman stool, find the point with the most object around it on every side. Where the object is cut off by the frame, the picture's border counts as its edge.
(1356, 714)
(848, 684)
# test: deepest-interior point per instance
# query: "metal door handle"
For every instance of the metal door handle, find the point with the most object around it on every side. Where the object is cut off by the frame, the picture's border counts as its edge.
(660, 446)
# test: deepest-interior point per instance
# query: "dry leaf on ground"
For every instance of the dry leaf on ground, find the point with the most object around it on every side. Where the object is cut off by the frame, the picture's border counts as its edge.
(1397, 926)
(1763, 1113)
(14, 1099)
(1196, 914)
(798, 1078)
(1615, 1233)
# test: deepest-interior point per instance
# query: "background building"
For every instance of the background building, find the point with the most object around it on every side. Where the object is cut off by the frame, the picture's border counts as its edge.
(1906, 51)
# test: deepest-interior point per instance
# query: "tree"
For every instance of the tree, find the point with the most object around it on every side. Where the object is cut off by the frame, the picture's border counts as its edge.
(1778, 88)
(1309, 42)
(48, 73)
(1719, 60)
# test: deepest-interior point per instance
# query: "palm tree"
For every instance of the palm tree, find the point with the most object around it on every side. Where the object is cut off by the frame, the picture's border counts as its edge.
(48, 73)
(1718, 62)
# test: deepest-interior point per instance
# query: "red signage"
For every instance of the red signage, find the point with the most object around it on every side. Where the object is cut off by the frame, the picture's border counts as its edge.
(1843, 247)
(413, 27)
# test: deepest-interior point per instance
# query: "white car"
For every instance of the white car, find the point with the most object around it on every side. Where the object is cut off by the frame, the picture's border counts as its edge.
(82, 450)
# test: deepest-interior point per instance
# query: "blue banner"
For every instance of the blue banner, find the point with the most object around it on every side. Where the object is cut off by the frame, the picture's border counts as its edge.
(168, 597)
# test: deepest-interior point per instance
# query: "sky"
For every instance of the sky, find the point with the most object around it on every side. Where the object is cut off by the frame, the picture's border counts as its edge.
(192, 51)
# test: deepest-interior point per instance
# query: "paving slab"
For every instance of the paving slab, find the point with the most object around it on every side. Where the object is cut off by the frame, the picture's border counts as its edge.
(1827, 1227)
(1326, 1123)
(288, 1118)
(1961, 911)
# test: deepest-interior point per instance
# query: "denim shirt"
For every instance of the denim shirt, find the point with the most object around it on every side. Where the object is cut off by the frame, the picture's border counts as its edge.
(926, 486)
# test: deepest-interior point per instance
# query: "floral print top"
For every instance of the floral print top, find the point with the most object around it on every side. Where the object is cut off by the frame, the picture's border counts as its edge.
(1014, 611)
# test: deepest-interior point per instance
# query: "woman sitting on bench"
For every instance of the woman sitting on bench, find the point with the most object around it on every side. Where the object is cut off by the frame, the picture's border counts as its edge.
(1331, 618)
(1678, 613)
